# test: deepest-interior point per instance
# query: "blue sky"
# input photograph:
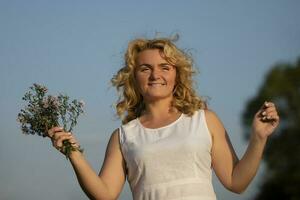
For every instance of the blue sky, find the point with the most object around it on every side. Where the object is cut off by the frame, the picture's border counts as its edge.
(76, 46)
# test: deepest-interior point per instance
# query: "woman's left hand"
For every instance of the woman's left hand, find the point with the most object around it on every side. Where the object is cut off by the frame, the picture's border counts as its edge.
(265, 120)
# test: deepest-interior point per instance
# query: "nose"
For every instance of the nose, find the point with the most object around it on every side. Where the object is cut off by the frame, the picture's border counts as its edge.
(155, 74)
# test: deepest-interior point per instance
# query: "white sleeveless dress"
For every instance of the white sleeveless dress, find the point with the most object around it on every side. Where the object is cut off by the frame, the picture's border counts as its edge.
(171, 162)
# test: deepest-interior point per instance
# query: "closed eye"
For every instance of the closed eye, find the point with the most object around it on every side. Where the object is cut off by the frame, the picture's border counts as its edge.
(144, 67)
(165, 67)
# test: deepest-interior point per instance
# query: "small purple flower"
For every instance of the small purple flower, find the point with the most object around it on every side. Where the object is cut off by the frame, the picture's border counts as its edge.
(54, 102)
(45, 103)
(81, 104)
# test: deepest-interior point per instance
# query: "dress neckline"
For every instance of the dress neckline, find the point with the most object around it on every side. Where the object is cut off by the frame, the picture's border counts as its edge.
(162, 127)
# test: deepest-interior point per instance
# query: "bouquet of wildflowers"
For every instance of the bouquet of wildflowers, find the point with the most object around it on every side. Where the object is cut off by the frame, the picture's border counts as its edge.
(46, 111)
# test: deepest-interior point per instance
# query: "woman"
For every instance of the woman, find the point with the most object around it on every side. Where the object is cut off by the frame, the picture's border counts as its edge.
(169, 140)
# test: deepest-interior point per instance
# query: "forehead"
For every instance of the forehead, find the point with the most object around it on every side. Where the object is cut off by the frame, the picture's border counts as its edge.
(150, 56)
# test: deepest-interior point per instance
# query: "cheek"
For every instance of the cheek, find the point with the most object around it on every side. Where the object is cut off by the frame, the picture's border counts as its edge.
(172, 79)
(140, 80)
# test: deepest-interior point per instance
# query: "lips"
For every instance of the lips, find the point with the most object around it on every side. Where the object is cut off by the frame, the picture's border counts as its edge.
(154, 84)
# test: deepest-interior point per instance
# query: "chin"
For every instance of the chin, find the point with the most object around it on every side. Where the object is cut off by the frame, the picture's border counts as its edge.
(157, 97)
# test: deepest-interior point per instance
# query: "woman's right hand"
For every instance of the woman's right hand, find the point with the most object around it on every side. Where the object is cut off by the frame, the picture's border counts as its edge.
(58, 135)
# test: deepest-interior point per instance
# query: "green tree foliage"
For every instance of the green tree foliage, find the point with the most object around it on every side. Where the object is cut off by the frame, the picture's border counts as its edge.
(282, 152)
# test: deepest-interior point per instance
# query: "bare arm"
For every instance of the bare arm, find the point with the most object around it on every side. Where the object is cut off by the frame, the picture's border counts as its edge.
(233, 173)
(109, 183)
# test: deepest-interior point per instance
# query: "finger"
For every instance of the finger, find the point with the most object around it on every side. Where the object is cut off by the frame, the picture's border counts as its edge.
(267, 107)
(57, 135)
(53, 130)
(259, 113)
(60, 143)
(74, 142)
(269, 111)
(272, 116)
(269, 104)
(274, 121)
(270, 107)
(60, 139)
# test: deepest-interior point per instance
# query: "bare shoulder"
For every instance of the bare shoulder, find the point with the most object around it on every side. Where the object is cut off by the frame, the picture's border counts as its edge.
(213, 122)
(211, 117)
(114, 138)
(115, 134)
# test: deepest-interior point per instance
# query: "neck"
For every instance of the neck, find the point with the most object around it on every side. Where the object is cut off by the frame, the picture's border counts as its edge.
(159, 109)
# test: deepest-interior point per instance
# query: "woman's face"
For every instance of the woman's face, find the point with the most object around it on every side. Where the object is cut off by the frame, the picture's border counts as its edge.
(155, 77)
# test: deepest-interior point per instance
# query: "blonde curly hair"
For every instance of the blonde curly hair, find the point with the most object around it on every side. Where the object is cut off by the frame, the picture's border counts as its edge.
(130, 103)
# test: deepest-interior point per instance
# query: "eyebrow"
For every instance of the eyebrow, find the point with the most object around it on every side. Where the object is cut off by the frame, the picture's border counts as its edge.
(148, 65)
(165, 64)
